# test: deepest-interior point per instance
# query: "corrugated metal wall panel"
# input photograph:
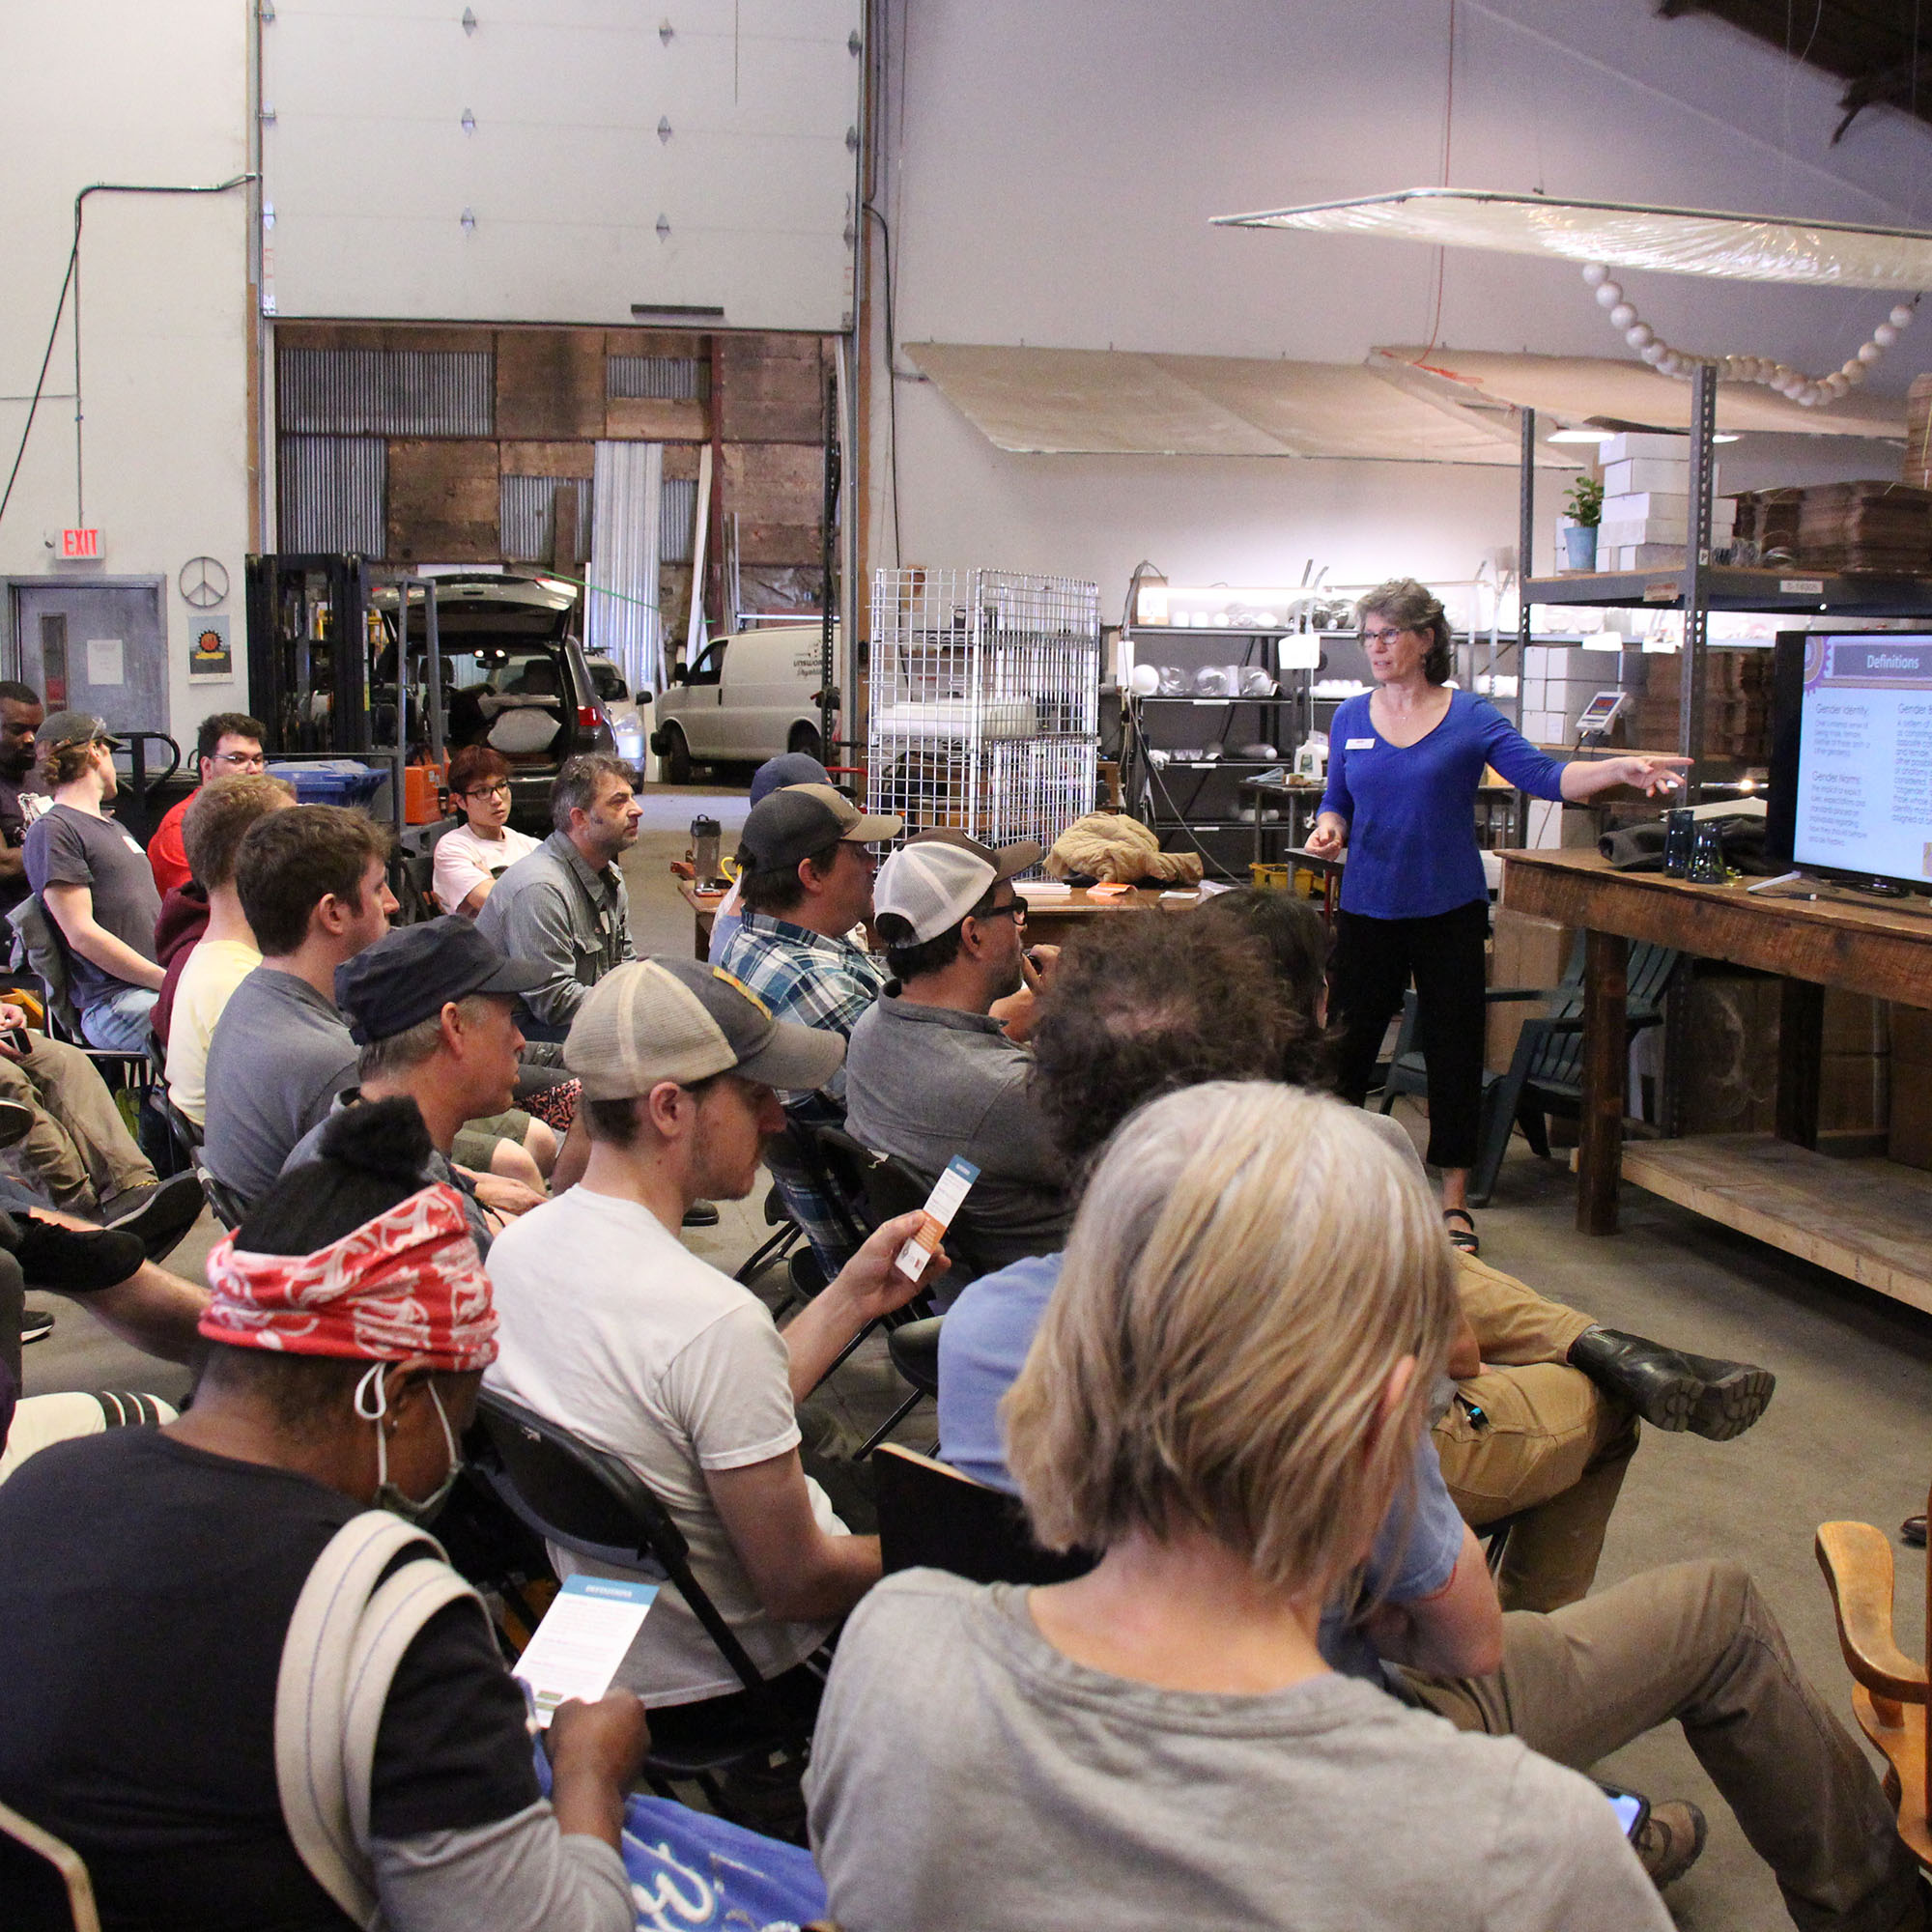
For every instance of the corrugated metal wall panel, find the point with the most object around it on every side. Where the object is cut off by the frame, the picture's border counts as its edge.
(621, 615)
(410, 392)
(675, 518)
(665, 379)
(333, 492)
(527, 510)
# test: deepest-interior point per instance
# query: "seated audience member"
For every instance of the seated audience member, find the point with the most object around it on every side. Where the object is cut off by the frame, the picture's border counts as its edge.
(1144, 1004)
(1225, 1402)
(789, 768)
(227, 746)
(178, 932)
(473, 856)
(312, 882)
(107, 1271)
(930, 1073)
(1510, 1324)
(20, 716)
(148, 1741)
(806, 874)
(204, 976)
(611, 1327)
(93, 880)
(432, 1008)
(1256, 1276)
(64, 1136)
(565, 903)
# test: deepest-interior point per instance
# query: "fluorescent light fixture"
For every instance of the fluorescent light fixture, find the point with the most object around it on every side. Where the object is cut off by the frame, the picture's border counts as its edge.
(1626, 234)
(1582, 435)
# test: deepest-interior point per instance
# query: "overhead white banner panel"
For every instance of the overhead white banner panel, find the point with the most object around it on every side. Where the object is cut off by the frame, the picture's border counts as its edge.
(594, 161)
(1624, 235)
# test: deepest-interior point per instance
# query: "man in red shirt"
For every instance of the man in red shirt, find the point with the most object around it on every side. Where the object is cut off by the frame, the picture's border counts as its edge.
(227, 743)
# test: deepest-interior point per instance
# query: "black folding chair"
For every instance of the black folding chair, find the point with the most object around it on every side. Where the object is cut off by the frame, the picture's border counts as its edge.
(596, 1505)
(932, 1517)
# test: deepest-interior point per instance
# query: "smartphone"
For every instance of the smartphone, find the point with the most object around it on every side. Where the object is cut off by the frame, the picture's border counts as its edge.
(1631, 1809)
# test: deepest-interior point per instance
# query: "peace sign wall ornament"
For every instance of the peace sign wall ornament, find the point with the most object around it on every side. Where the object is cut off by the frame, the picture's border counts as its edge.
(203, 582)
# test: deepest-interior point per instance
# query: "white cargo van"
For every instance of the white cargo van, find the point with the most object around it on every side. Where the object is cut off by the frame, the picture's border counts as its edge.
(748, 696)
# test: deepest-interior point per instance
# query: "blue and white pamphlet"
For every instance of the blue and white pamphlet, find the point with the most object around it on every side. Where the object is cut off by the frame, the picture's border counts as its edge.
(576, 1648)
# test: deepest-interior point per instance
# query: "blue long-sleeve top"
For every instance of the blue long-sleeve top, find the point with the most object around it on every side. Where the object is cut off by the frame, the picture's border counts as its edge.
(1411, 809)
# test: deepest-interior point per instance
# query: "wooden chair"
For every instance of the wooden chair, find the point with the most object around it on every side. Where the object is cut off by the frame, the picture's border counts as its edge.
(932, 1517)
(43, 1880)
(1545, 1071)
(1888, 1691)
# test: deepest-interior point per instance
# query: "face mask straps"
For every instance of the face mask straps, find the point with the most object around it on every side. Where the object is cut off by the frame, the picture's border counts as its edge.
(371, 1403)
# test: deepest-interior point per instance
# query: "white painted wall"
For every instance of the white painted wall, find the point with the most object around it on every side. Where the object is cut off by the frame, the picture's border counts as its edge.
(589, 124)
(92, 91)
(1049, 170)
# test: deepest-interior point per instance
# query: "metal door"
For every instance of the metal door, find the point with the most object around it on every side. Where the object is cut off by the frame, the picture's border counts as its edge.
(98, 647)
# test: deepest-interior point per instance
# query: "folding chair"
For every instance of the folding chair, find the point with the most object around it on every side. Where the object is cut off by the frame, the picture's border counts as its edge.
(43, 1880)
(596, 1504)
(1545, 1073)
(933, 1517)
(230, 1210)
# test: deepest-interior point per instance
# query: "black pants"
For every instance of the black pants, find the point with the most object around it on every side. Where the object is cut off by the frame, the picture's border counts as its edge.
(1374, 959)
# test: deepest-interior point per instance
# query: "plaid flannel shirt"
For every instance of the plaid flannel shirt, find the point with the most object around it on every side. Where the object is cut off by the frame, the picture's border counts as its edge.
(814, 980)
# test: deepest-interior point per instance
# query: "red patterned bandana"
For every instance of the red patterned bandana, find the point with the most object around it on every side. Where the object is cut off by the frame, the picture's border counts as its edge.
(408, 1283)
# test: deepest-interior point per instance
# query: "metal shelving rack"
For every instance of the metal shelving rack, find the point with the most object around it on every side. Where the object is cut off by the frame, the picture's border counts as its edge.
(1701, 587)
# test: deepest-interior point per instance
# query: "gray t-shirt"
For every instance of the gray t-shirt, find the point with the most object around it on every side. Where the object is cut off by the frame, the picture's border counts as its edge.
(968, 1778)
(280, 1056)
(65, 848)
(926, 1083)
(436, 1167)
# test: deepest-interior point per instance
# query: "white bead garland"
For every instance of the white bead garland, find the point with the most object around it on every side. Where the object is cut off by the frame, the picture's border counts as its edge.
(1808, 391)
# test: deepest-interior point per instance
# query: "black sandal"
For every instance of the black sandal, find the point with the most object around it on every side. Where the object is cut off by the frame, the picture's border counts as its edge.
(1464, 1241)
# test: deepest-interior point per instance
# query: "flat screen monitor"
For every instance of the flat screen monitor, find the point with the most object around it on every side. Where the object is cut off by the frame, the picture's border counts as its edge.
(1851, 778)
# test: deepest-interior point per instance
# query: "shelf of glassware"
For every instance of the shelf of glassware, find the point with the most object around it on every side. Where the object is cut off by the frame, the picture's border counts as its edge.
(1731, 587)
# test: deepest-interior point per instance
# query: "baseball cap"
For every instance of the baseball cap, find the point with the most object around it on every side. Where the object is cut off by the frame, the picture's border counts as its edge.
(74, 727)
(788, 768)
(936, 879)
(413, 971)
(679, 1020)
(797, 820)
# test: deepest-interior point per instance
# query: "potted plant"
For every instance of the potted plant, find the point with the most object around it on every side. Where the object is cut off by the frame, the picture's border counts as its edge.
(1584, 507)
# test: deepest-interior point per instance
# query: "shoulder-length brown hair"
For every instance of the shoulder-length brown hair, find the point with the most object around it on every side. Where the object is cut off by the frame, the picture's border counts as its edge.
(1411, 606)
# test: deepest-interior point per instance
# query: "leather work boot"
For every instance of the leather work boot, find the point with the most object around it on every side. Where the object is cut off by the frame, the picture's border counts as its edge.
(1671, 1389)
(1668, 1841)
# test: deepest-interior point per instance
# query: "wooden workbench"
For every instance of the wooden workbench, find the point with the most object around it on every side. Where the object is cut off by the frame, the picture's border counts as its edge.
(1051, 920)
(1868, 1219)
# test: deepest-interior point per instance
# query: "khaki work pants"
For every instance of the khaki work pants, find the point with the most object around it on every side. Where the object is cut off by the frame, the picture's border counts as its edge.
(1535, 1439)
(78, 1151)
(1695, 1642)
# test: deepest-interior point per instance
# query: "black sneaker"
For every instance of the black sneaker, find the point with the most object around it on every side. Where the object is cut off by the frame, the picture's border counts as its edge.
(700, 1214)
(76, 1261)
(35, 1325)
(159, 1215)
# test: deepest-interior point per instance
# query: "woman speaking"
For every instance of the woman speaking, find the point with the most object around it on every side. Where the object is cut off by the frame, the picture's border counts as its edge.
(1403, 764)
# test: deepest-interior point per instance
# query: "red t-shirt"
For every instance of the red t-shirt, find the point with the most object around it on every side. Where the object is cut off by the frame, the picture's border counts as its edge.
(167, 856)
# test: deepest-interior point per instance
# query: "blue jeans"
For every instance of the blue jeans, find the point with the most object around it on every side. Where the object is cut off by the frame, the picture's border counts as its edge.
(121, 1021)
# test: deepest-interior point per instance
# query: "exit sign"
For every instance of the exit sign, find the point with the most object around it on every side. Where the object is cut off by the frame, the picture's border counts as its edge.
(80, 543)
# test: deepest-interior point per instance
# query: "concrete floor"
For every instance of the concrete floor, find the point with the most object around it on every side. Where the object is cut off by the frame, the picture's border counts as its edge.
(1847, 1434)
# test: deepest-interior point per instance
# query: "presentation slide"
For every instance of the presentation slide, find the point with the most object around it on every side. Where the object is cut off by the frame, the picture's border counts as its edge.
(1864, 770)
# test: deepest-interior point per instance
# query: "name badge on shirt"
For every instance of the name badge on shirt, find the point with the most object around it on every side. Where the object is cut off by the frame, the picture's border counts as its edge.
(1362, 744)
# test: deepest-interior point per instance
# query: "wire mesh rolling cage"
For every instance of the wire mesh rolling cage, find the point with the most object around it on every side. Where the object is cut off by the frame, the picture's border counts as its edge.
(984, 702)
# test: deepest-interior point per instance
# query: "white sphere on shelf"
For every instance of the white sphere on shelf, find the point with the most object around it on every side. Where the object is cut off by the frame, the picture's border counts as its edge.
(1855, 374)
(1609, 295)
(1780, 373)
(1885, 335)
(1810, 395)
(1869, 352)
(1640, 335)
(1653, 353)
(1901, 315)
(1595, 272)
(1622, 316)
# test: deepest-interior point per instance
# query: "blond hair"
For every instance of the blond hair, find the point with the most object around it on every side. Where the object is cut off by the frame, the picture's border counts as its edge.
(1249, 1265)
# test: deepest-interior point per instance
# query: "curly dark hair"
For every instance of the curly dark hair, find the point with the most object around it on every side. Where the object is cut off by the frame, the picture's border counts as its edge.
(1143, 1004)
(1294, 943)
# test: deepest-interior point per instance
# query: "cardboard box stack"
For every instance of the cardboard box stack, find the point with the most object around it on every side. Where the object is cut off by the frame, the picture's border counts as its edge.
(1768, 519)
(1558, 681)
(1646, 515)
(1878, 527)
(1736, 705)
